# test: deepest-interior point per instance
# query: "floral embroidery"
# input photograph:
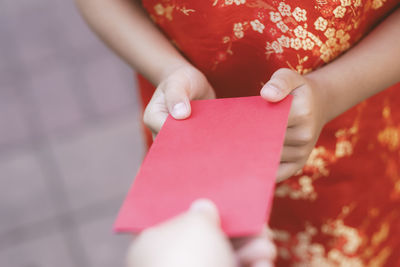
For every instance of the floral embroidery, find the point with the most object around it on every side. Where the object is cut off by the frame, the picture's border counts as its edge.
(238, 30)
(390, 137)
(339, 12)
(300, 32)
(320, 24)
(300, 14)
(257, 26)
(307, 44)
(284, 41)
(284, 9)
(275, 16)
(295, 43)
(282, 26)
(345, 2)
(236, 2)
(330, 33)
(377, 3)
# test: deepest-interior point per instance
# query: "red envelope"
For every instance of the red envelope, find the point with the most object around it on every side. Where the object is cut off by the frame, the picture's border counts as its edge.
(228, 151)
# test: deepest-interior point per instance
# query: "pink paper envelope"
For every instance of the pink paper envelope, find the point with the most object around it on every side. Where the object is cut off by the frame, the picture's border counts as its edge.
(228, 151)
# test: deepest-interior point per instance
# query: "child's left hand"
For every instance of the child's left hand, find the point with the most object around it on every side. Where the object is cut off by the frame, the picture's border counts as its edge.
(306, 119)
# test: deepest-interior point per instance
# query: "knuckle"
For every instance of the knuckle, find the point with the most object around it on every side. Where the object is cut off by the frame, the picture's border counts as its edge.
(282, 72)
(305, 113)
(283, 78)
(302, 153)
(305, 137)
(147, 116)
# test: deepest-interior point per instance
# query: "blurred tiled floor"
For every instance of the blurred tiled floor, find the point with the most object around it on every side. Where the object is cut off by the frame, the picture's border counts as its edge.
(70, 141)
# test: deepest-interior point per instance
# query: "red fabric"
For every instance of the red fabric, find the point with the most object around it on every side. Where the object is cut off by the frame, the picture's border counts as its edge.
(343, 208)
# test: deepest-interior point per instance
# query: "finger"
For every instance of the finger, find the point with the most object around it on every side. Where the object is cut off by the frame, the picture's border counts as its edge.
(282, 83)
(298, 136)
(256, 250)
(207, 209)
(287, 170)
(176, 97)
(293, 153)
(156, 112)
(201, 213)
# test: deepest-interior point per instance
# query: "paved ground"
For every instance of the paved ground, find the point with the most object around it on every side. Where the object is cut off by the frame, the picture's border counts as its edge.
(70, 143)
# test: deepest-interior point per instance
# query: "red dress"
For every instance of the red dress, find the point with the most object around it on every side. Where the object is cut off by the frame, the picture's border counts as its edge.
(343, 209)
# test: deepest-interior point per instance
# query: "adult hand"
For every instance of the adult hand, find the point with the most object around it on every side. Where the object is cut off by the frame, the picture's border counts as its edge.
(195, 239)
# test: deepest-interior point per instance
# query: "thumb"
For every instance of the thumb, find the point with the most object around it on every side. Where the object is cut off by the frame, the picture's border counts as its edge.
(281, 84)
(206, 209)
(176, 98)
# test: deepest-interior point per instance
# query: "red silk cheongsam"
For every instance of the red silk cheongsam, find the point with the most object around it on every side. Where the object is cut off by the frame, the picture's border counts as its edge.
(343, 208)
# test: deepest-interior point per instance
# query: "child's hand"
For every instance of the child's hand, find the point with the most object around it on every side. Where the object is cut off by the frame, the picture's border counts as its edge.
(306, 119)
(196, 239)
(173, 96)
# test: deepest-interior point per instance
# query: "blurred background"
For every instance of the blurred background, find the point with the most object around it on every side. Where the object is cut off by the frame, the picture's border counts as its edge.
(70, 140)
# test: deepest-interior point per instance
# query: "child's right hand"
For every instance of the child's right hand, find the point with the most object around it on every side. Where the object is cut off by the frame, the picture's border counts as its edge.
(173, 96)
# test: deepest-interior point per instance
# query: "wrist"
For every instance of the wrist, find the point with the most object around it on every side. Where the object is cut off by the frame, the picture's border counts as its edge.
(172, 67)
(322, 90)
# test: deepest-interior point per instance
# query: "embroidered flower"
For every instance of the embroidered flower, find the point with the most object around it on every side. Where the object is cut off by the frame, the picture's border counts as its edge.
(277, 47)
(326, 53)
(268, 47)
(345, 2)
(377, 4)
(331, 42)
(339, 12)
(238, 30)
(390, 137)
(344, 38)
(299, 14)
(344, 46)
(226, 39)
(275, 16)
(320, 24)
(343, 148)
(330, 32)
(282, 26)
(284, 41)
(159, 9)
(300, 32)
(357, 3)
(340, 33)
(284, 9)
(295, 43)
(307, 44)
(237, 2)
(257, 26)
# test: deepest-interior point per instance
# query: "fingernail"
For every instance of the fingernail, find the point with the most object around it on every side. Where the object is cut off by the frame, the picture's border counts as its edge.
(179, 111)
(202, 205)
(206, 207)
(270, 91)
